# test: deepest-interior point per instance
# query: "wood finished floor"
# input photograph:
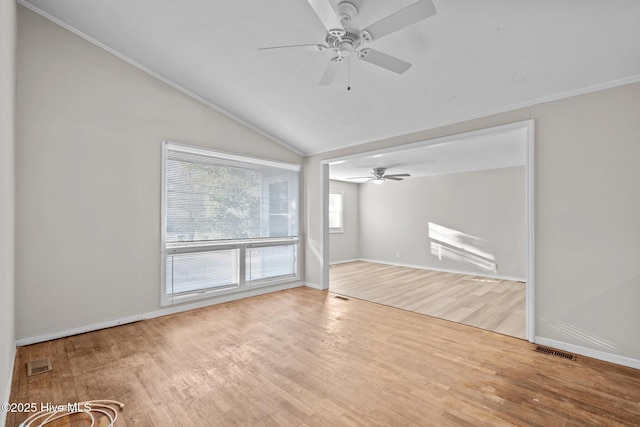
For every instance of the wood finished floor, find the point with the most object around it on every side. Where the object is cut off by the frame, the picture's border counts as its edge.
(491, 304)
(303, 357)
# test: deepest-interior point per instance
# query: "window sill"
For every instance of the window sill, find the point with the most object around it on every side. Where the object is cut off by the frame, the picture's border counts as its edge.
(169, 300)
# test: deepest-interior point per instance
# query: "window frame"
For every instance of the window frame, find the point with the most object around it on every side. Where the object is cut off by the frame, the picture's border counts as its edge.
(168, 249)
(341, 228)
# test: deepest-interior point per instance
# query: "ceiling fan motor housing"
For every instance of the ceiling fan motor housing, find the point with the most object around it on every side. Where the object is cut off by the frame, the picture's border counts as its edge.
(379, 172)
(351, 40)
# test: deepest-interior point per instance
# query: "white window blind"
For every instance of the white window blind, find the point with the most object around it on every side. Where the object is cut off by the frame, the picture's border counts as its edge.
(194, 271)
(211, 198)
(230, 222)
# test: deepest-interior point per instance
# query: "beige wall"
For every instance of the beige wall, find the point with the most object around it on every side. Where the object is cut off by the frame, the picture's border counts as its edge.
(313, 231)
(344, 246)
(586, 215)
(90, 128)
(588, 220)
(488, 206)
(7, 195)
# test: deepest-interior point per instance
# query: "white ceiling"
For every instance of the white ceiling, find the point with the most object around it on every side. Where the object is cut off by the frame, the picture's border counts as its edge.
(471, 153)
(471, 59)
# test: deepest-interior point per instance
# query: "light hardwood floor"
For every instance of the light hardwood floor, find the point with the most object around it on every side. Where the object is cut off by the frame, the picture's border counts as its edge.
(303, 357)
(492, 304)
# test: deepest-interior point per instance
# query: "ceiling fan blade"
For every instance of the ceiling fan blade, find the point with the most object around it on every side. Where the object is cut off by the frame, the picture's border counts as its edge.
(328, 16)
(309, 47)
(393, 178)
(383, 60)
(329, 73)
(360, 177)
(411, 14)
(395, 175)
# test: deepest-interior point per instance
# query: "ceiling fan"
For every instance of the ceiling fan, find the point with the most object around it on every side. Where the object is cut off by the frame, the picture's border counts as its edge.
(345, 41)
(378, 176)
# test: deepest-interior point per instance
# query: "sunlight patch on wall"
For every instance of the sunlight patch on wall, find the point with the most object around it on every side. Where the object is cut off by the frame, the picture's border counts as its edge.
(573, 331)
(447, 243)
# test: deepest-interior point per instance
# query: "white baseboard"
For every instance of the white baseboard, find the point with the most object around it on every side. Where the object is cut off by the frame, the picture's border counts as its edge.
(446, 270)
(3, 414)
(344, 261)
(596, 354)
(157, 313)
(313, 285)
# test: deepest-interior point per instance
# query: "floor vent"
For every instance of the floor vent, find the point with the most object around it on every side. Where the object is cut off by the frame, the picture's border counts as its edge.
(342, 298)
(556, 353)
(36, 367)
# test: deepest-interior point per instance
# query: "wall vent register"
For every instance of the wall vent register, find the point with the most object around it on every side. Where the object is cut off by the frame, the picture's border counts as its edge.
(40, 366)
(554, 352)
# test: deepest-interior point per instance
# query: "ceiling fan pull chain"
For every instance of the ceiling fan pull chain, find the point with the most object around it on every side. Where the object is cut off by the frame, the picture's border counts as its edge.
(349, 73)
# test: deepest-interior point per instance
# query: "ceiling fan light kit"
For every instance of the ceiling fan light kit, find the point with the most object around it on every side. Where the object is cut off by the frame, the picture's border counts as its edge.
(344, 40)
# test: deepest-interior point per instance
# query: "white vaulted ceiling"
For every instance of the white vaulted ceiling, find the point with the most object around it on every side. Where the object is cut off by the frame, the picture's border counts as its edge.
(471, 59)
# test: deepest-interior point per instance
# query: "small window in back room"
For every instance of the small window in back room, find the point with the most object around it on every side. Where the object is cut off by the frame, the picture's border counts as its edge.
(335, 212)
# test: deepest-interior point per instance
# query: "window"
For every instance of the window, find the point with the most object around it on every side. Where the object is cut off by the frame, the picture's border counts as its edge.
(229, 223)
(335, 212)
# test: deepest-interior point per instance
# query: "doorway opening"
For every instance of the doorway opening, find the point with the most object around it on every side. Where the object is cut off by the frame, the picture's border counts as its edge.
(453, 240)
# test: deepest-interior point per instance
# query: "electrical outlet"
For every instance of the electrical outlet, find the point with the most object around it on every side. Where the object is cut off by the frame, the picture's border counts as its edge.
(398, 255)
